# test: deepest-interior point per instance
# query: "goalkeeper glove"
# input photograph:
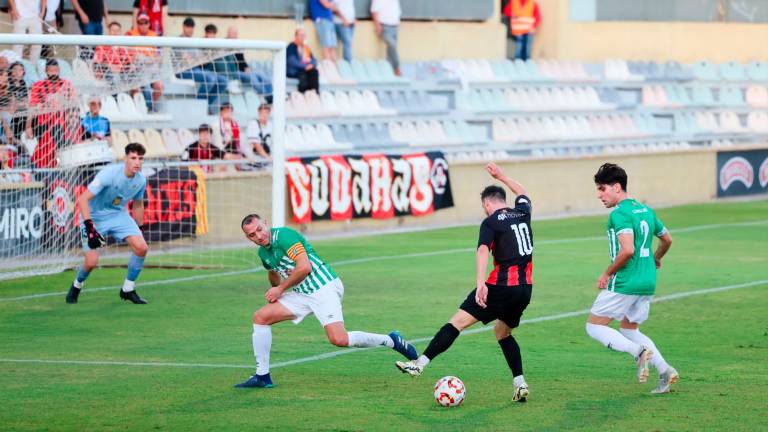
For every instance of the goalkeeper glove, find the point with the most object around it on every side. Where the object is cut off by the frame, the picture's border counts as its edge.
(95, 240)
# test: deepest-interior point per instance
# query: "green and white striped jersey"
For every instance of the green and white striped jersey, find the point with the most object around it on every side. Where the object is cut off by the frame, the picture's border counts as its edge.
(280, 256)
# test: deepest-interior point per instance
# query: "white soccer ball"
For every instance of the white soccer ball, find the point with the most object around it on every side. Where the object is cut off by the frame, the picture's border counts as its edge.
(449, 391)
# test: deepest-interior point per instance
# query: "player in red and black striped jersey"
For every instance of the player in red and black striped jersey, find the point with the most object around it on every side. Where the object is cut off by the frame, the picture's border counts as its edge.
(506, 292)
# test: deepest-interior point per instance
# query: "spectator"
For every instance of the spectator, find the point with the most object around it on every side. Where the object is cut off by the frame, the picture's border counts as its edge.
(17, 85)
(57, 122)
(230, 129)
(157, 10)
(112, 62)
(51, 23)
(94, 125)
(6, 163)
(27, 17)
(4, 60)
(7, 108)
(203, 148)
(147, 59)
(386, 20)
(237, 69)
(211, 86)
(321, 12)
(89, 14)
(259, 134)
(301, 63)
(344, 21)
(524, 18)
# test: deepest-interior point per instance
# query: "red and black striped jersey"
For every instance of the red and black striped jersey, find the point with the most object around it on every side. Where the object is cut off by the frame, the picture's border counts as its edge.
(508, 235)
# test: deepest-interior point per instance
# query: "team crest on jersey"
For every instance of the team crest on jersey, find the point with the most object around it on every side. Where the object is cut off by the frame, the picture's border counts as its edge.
(737, 169)
(116, 202)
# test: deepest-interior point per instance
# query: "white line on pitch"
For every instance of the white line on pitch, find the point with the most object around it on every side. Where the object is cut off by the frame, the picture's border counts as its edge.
(364, 260)
(332, 354)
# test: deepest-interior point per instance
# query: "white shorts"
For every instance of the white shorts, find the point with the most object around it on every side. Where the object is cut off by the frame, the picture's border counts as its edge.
(618, 306)
(325, 303)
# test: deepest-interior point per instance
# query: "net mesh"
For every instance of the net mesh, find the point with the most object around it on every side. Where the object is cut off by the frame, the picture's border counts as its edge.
(66, 117)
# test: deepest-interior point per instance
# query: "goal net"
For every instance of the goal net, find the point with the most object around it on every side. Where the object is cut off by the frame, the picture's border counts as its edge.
(210, 113)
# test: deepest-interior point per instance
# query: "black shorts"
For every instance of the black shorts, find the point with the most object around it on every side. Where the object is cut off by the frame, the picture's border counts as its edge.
(504, 303)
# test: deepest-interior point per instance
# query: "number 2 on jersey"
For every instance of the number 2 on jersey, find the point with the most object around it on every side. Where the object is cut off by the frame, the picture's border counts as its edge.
(523, 235)
(645, 230)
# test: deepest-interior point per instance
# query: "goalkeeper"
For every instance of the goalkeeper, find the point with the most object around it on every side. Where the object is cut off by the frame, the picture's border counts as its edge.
(103, 212)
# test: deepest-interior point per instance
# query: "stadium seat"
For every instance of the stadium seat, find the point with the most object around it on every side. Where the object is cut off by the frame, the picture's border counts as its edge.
(119, 141)
(137, 136)
(732, 71)
(617, 70)
(344, 104)
(757, 97)
(110, 110)
(172, 142)
(758, 122)
(294, 140)
(757, 71)
(314, 104)
(705, 71)
(155, 146)
(702, 96)
(186, 137)
(31, 74)
(127, 107)
(329, 104)
(730, 122)
(345, 71)
(674, 71)
(731, 96)
(253, 101)
(82, 71)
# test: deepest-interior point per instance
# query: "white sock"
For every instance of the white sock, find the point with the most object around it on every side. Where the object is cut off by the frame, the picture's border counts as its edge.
(518, 380)
(78, 285)
(128, 286)
(362, 339)
(613, 339)
(422, 361)
(657, 360)
(262, 345)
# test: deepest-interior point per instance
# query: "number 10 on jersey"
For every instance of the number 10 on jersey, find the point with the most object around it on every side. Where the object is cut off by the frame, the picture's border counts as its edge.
(523, 235)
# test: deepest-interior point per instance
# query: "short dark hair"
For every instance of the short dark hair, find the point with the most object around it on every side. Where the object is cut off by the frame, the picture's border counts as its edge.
(114, 23)
(188, 22)
(610, 174)
(248, 219)
(211, 28)
(135, 147)
(51, 62)
(225, 105)
(17, 63)
(493, 192)
(205, 127)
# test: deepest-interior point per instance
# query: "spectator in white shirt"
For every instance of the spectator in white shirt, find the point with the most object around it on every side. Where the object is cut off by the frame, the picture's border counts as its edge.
(27, 16)
(344, 20)
(386, 20)
(259, 134)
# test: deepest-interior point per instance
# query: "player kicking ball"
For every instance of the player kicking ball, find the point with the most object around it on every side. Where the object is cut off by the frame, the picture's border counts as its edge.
(506, 292)
(103, 212)
(629, 283)
(302, 284)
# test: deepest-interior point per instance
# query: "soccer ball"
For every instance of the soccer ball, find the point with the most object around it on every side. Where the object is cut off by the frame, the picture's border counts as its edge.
(449, 391)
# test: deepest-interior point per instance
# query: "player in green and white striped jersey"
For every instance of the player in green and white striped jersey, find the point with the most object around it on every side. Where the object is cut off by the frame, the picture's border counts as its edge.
(629, 283)
(302, 284)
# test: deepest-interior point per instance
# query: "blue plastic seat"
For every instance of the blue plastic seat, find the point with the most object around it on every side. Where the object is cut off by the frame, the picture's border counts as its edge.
(731, 96)
(757, 71)
(702, 96)
(732, 71)
(705, 71)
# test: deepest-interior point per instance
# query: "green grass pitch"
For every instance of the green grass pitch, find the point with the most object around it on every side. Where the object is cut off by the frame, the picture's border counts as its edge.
(192, 330)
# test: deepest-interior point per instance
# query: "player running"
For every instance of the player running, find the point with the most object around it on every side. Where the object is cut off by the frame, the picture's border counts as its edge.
(103, 212)
(505, 294)
(629, 283)
(302, 284)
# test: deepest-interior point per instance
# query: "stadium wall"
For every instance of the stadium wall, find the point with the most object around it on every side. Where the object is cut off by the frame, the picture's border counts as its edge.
(562, 186)
(562, 38)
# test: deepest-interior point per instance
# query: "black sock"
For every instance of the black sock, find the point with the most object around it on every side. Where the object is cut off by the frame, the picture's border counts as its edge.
(511, 351)
(442, 341)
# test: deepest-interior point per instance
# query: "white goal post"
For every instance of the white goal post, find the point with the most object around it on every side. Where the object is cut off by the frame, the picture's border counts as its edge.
(167, 67)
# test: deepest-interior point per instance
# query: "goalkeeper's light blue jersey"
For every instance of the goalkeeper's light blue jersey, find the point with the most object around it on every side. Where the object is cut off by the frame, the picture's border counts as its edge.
(112, 190)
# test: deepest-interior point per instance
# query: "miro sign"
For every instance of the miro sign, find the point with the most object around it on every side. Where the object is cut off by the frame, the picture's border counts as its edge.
(742, 173)
(22, 221)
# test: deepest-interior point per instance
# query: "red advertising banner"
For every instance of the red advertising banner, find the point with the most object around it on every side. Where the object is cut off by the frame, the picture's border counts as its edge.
(379, 186)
